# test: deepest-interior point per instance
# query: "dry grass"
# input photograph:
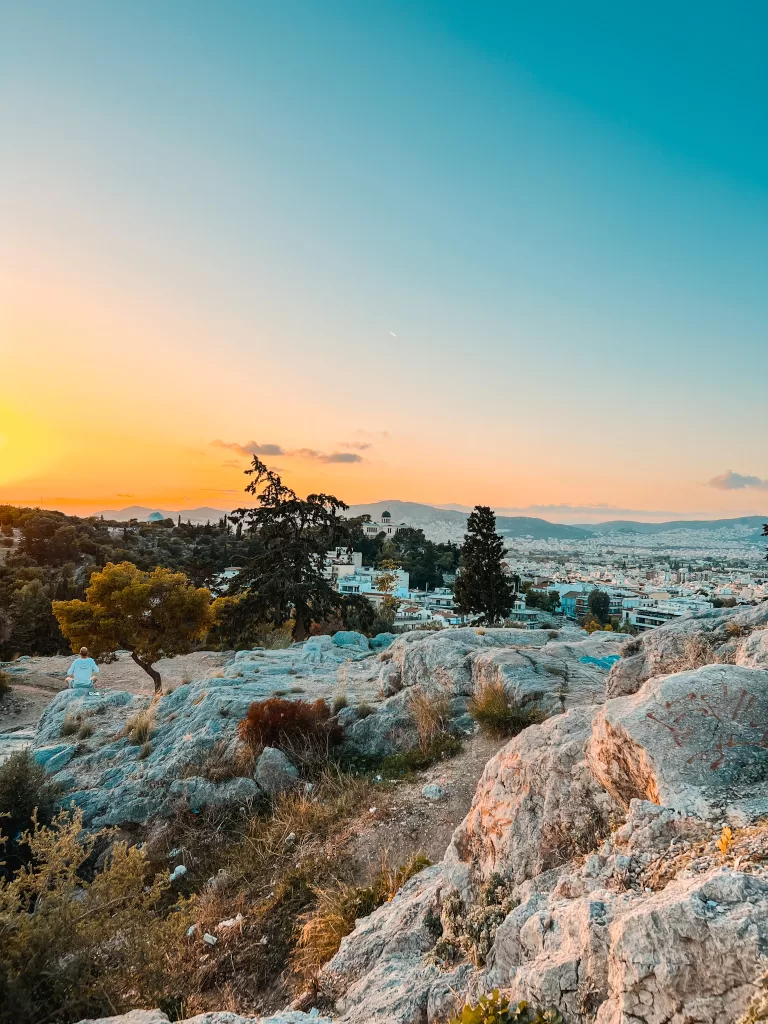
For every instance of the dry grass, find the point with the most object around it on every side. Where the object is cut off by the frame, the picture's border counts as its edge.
(85, 730)
(220, 765)
(431, 714)
(497, 714)
(139, 728)
(337, 907)
(70, 725)
(5, 683)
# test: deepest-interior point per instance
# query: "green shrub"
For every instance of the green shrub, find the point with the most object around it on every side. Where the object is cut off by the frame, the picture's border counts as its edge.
(398, 766)
(495, 1009)
(73, 947)
(24, 790)
(497, 714)
(365, 710)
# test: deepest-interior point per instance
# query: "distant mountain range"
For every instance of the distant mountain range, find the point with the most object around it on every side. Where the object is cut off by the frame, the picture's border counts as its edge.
(194, 515)
(447, 523)
(431, 519)
(754, 523)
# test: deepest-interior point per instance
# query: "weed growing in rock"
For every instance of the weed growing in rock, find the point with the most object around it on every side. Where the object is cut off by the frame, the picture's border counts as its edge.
(365, 710)
(5, 683)
(340, 701)
(472, 929)
(498, 714)
(431, 713)
(70, 725)
(336, 909)
(138, 729)
(85, 730)
(496, 1009)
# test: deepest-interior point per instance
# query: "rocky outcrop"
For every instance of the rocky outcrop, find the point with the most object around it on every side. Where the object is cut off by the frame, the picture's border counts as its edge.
(118, 775)
(603, 823)
(728, 636)
(614, 863)
(696, 741)
(537, 803)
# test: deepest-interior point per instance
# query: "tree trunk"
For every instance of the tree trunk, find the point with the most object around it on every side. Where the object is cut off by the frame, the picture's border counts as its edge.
(300, 631)
(151, 672)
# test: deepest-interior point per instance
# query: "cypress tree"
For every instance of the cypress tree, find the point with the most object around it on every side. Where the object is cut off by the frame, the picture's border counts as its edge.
(483, 587)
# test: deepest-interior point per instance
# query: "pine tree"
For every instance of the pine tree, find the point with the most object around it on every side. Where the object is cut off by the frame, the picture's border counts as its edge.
(482, 586)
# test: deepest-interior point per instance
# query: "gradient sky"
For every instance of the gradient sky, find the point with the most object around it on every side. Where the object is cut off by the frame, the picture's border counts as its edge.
(447, 252)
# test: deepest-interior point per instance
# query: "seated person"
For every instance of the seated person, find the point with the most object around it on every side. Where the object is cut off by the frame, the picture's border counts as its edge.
(82, 671)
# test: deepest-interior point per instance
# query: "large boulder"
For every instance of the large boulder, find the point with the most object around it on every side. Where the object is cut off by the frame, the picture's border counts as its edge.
(693, 952)
(730, 636)
(537, 803)
(557, 676)
(696, 741)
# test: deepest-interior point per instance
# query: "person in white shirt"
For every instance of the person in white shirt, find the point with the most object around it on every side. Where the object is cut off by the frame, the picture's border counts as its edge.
(82, 671)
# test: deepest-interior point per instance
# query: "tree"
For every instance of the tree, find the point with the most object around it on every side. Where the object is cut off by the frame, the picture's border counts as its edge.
(599, 604)
(483, 587)
(153, 615)
(386, 584)
(287, 579)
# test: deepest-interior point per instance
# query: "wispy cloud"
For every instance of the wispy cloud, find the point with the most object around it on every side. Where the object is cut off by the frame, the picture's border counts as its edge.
(359, 446)
(250, 448)
(254, 448)
(730, 481)
(310, 453)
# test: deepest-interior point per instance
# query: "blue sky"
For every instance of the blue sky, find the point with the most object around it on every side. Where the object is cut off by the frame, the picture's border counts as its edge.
(516, 250)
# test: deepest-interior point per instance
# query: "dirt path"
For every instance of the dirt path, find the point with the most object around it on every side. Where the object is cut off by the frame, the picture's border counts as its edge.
(407, 822)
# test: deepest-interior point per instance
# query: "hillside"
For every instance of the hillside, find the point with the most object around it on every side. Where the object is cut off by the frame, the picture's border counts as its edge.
(437, 521)
(753, 523)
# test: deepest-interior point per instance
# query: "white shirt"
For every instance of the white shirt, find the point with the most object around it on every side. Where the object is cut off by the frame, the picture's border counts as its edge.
(81, 671)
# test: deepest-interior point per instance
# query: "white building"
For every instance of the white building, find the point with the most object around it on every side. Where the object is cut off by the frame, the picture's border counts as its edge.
(649, 612)
(364, 579)
(383, 525)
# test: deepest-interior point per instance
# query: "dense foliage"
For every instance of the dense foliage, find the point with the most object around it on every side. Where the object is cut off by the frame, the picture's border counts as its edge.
(426, 563)
(484, 587)
(153, 615)
(287, 578)
(47, 556)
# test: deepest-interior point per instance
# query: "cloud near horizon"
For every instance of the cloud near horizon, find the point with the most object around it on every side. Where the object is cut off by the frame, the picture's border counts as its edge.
(254, 448)
(730, 481)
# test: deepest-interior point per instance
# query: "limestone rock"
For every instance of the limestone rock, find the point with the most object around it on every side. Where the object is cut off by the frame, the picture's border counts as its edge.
(274, 772)
(695, 741)
(537, 803)
(731, 636)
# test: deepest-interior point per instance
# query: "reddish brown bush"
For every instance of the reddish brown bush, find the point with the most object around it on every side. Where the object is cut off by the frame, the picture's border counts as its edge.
(277, 722)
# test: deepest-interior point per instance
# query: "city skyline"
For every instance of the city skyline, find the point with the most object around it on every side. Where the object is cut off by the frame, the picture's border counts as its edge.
(455, 255)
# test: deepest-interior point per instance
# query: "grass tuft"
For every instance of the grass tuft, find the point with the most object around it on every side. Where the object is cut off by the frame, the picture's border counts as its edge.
(497, 714)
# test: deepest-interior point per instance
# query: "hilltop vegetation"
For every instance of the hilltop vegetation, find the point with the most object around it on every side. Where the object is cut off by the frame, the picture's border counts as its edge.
(48, 556)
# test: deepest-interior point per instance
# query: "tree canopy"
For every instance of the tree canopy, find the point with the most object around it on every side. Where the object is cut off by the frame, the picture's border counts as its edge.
(483, 587)
(599, 604)
(154, 615)
(287, 578)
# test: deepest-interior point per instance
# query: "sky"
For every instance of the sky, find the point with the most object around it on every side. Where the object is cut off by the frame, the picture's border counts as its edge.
(499, 253)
